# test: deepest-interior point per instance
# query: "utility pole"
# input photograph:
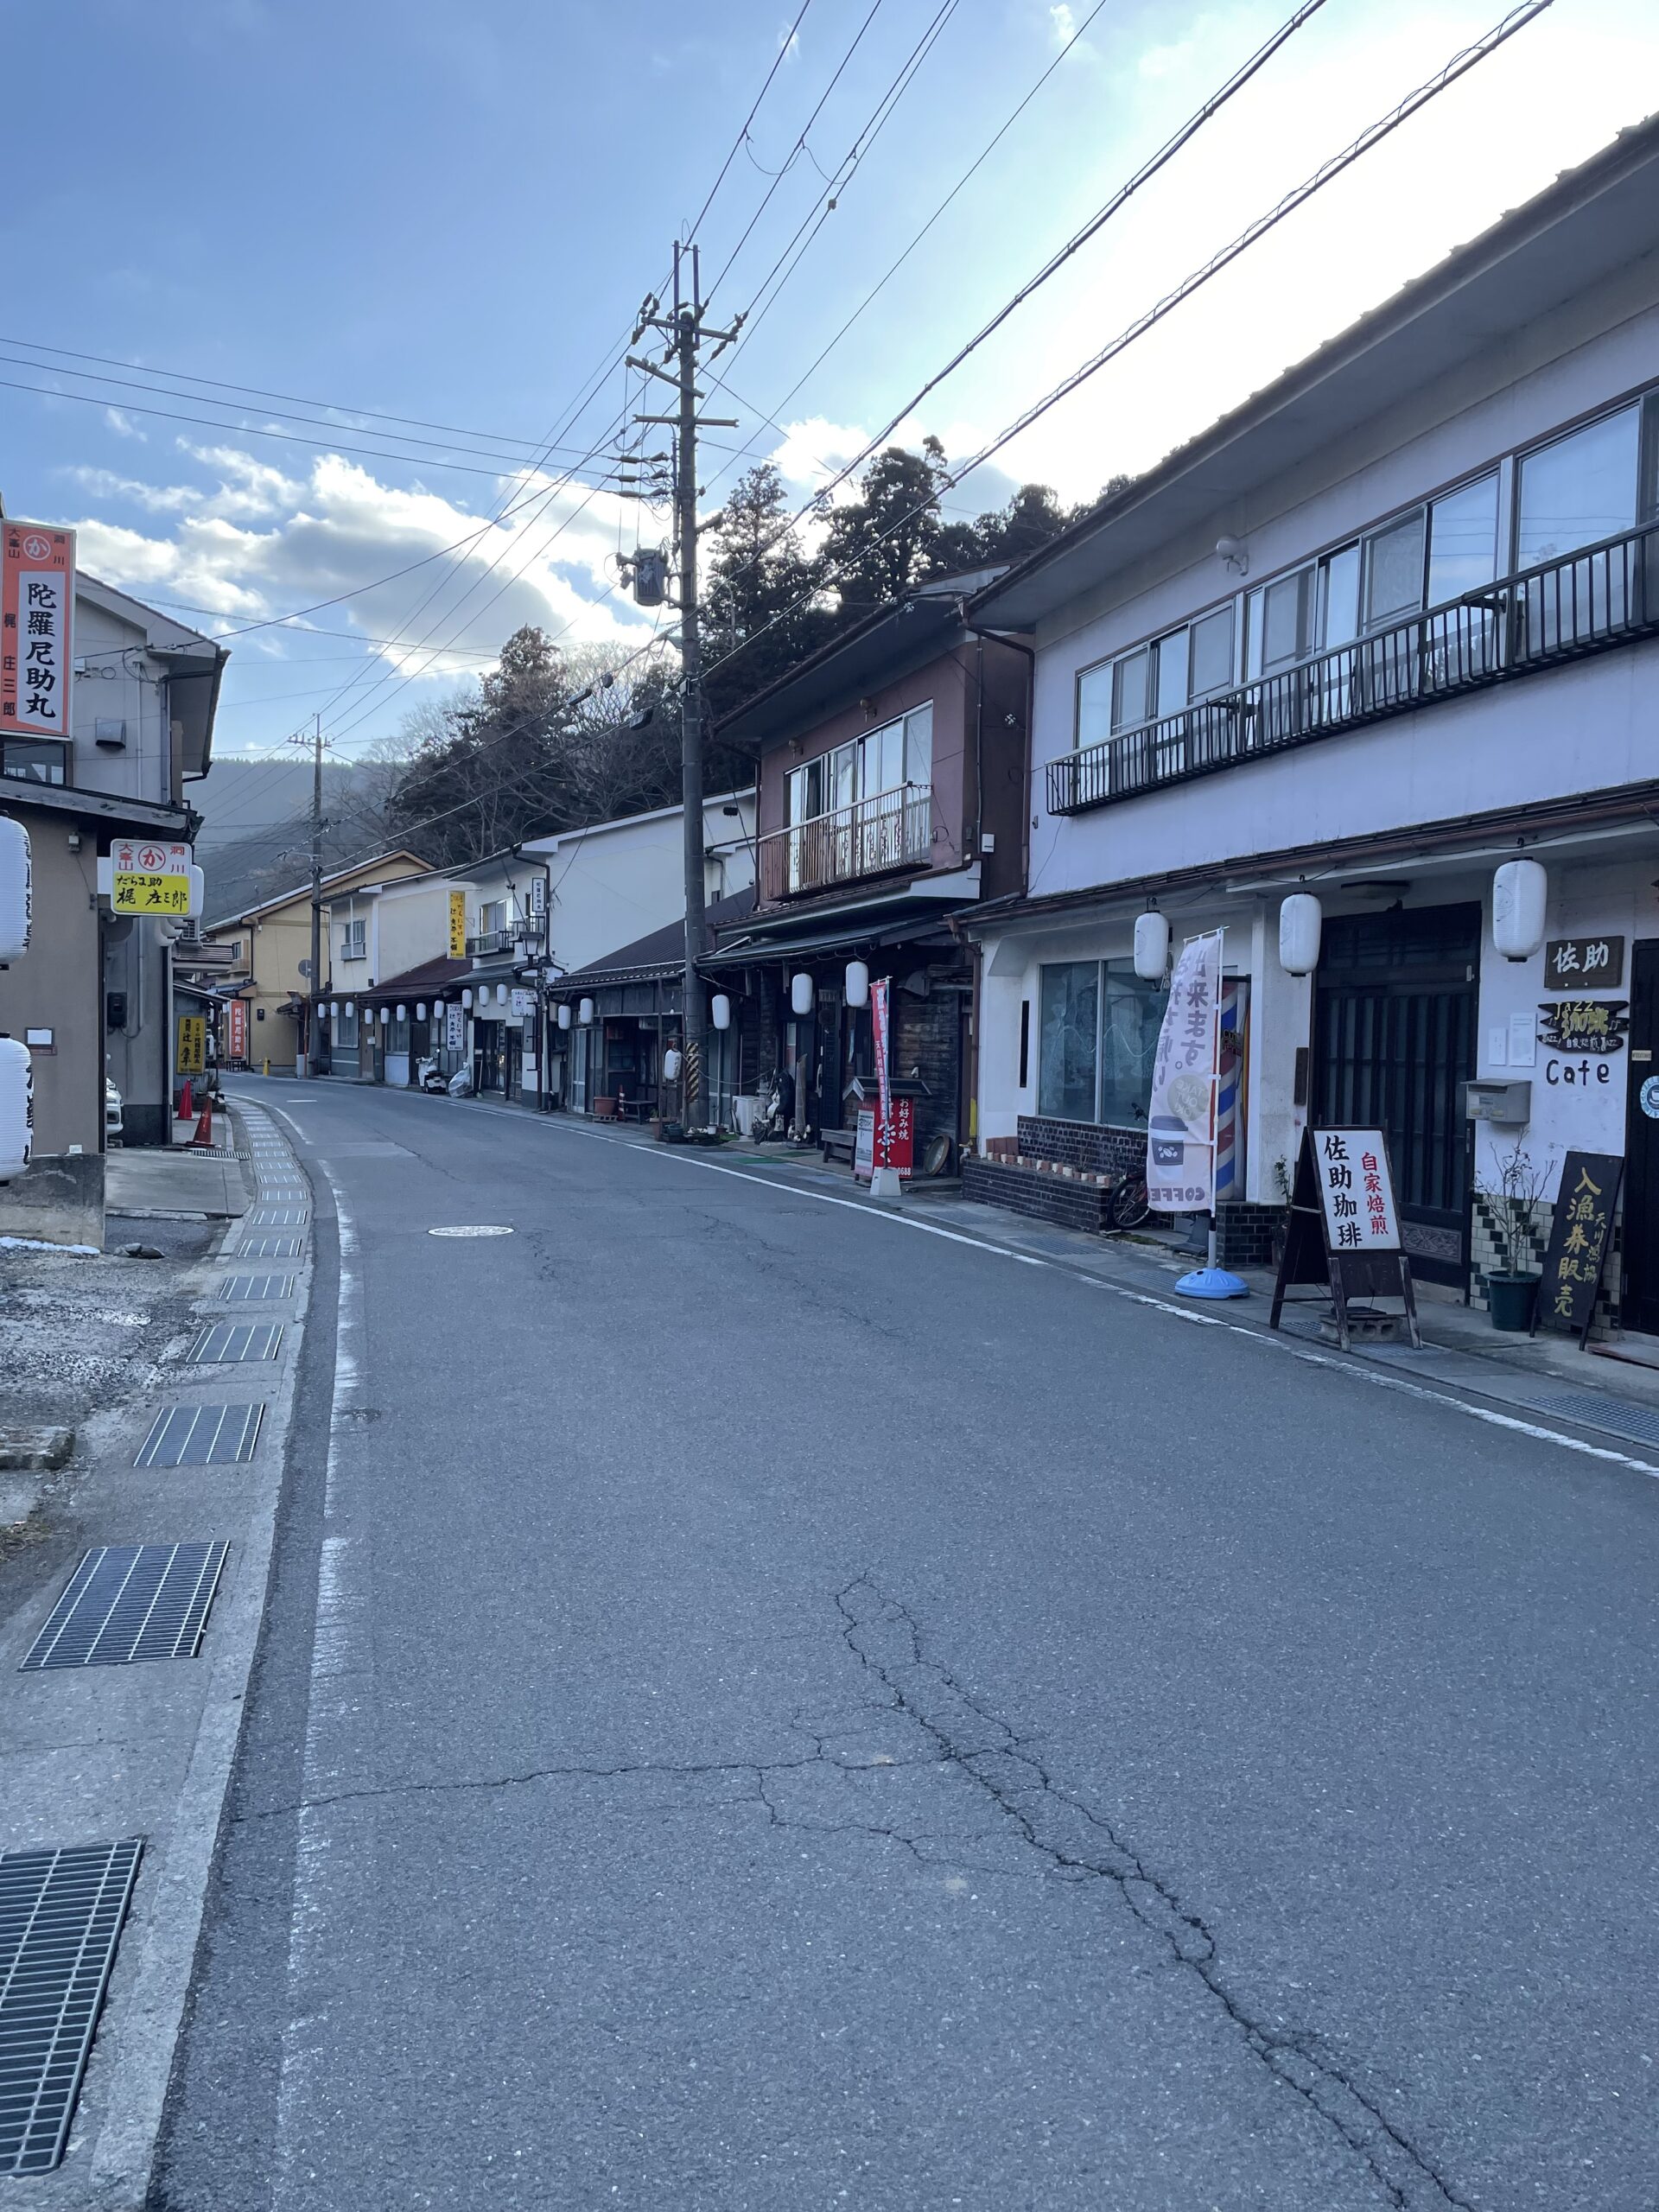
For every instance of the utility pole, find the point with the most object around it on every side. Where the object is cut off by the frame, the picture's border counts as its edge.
(315, 979)
(684, 329)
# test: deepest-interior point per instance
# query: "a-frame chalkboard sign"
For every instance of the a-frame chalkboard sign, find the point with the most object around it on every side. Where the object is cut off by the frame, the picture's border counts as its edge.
(1344, 1230)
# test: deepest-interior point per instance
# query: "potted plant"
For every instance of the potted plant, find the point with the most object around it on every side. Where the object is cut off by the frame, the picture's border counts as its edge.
(1514, 1202)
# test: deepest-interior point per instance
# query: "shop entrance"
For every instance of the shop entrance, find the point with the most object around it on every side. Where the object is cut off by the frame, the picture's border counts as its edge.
(1394, 1044)
(1639, 1306)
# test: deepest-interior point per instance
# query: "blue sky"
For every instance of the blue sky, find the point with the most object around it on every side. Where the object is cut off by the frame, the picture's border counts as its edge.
(450, 213)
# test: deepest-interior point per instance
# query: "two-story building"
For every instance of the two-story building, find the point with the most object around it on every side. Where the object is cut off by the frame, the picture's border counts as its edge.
(891, 794)
(1385, 627)
(93, 996)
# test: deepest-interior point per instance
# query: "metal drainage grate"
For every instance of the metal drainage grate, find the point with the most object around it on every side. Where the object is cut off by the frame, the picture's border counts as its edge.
(61, 1916)
(200, 1436)
(264, 1216)
(227, 1340)
(128, 1602)
(254, 1290)
(1619, 1414)
(270, 1248)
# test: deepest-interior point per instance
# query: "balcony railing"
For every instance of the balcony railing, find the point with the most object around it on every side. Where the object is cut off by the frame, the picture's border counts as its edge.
(1584, 603)
(871, 837)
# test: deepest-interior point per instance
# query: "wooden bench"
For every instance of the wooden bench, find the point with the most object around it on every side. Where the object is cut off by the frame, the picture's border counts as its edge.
(838, 1144)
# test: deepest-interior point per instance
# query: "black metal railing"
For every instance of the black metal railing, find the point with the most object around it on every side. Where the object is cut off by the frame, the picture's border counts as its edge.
(1598, 597)
(528, 930)
(871, 837)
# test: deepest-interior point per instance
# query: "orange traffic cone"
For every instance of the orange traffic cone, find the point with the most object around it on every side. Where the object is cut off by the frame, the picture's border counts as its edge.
(203, 1140)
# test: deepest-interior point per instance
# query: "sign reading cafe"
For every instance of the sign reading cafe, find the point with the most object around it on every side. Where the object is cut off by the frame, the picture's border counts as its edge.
(37, 598)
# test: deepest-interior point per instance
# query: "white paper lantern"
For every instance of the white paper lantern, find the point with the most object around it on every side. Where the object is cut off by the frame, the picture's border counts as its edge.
(16, 1107)
(467, 1001)
(1152, 947)
(671, 1064)
(333, 1012)
(564, 1014)
(1520, 895)
(403, 1014)
(800, 993)
(420, 1010)
(858, 982)
(585, 1012)
(351, 1009)
(385, 1015)
(198, 890)
(16, 893)
(720, 1010)
(500, 995)
(1301, 921)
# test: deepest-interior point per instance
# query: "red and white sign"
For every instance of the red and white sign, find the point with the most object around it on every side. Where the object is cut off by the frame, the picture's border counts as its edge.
(879, 991)
(38, 603)
(238, 1013)
(885, 1139)
(1355, 1190)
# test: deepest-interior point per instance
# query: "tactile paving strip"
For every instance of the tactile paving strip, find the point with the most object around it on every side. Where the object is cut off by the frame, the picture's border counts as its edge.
(200, 1436)
(130, 1602)
(60, 1917)
(270, 1248)
(255, 1290)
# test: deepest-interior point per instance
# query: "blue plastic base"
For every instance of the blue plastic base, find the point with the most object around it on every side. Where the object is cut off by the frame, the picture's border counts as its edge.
(1212, 1283)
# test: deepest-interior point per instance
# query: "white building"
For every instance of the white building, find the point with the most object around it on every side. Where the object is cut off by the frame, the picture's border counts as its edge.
(1386, 626)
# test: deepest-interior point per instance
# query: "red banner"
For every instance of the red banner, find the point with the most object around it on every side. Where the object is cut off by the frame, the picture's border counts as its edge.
(879, 1030)
(238, 1009)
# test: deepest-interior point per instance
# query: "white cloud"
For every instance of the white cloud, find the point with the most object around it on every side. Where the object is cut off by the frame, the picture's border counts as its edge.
(123, 426)
(1064, 24)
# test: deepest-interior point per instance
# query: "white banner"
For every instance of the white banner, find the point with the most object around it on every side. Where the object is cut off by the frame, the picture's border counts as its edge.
(1181, 1126)
(455, 1029)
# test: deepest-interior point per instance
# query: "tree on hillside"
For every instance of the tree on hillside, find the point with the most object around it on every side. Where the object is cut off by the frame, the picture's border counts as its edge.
(760, 600)
(883, 542)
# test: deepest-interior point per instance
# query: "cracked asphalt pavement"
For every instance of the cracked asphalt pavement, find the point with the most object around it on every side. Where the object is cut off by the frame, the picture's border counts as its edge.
(761, 1708)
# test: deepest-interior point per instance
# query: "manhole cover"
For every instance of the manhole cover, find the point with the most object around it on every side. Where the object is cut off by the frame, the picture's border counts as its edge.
(480, 1229)
(61, 1915)
(127, 1602)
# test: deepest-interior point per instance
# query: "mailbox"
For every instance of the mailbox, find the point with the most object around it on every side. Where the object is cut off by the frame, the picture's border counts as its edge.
(1508, 1103)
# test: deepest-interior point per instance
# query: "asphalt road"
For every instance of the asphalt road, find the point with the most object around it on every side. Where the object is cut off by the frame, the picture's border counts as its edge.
(764, 1709)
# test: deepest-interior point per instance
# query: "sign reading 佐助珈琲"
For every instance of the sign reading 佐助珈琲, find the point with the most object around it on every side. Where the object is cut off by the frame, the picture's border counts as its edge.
(37, 602)
(1345, 1227)
(1580, 1235)
(148, 877)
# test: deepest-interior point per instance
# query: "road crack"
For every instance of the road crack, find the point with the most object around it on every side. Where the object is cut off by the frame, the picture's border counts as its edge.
(885, 1639)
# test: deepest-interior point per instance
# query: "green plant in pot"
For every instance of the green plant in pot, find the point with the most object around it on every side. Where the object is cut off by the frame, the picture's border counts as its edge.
(1516, 1202)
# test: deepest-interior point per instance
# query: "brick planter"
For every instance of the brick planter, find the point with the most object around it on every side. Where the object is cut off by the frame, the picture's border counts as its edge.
(1062, 1200)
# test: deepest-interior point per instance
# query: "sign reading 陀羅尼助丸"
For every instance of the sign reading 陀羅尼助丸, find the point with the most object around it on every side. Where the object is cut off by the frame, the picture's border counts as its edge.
(1584, 964)
(37, 602)
(1182, 1120)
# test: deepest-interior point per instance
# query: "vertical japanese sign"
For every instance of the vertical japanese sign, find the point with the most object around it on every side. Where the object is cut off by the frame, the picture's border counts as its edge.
(193, 1044)
(879, 1017)
(1355, 1190)
(37, 598)
(457, 925)
(455, 1029)
(1180, 1134)
(239, 1018)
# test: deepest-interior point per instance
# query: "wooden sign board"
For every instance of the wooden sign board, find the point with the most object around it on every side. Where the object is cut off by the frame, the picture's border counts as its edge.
(1581, 1237)
(1345, 1227)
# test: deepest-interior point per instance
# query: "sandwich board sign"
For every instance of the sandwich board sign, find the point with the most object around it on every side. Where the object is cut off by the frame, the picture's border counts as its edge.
(1344, 1226)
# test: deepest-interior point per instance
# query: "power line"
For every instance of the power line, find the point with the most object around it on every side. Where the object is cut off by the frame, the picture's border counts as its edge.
(1466, 59)
(741, 138)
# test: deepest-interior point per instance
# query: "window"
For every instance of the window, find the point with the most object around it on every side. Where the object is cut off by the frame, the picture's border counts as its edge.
(1393, 571)
(901, 753)
(1097, 1039)
(1132, 1013)
(1577, 490)
(1210, 665)
(1068, 1038)
(1278, 623)
(493, 916)
(398, 1034)
(1339, 616)
(354, 939)
(345, 1030)
(1131, 687)
(1463, 541)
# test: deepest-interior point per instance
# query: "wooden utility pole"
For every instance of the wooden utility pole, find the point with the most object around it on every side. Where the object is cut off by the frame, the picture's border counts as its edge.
(684, 329)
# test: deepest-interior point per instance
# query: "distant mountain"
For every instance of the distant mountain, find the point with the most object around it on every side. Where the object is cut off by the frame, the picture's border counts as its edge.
(255, 840)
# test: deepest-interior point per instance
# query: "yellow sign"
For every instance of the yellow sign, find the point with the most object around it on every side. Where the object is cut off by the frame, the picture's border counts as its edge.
(193, 1044)
(457, 925)
(148, 877)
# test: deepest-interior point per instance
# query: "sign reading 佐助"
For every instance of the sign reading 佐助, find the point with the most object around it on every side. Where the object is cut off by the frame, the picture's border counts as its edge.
(37, 601)
(1580, 1235)
(1355, 1190)
(1584, 964)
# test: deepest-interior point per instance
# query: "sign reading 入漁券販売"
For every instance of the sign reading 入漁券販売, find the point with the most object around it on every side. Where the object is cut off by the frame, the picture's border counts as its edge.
(37, 601)
(1181, 1122)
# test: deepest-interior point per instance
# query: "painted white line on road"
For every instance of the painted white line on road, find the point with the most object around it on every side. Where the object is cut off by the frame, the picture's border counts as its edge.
(1181, 1312)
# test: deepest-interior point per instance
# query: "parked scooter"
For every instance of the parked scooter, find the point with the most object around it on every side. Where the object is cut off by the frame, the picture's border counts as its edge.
(427, 1076)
